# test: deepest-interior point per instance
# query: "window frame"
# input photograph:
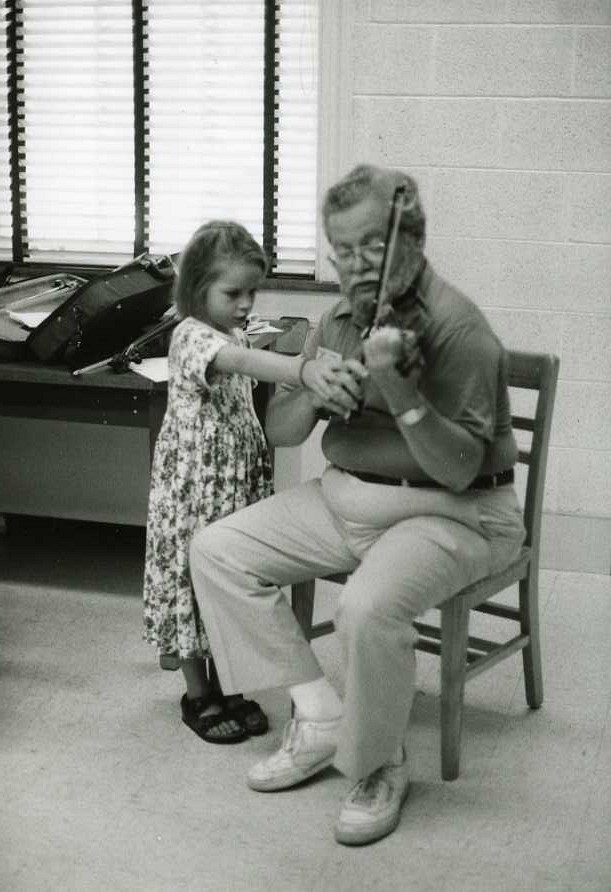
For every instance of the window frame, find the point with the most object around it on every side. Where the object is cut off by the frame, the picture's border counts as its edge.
(21, 266)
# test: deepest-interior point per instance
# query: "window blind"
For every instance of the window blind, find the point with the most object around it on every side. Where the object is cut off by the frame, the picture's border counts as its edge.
(140, 119)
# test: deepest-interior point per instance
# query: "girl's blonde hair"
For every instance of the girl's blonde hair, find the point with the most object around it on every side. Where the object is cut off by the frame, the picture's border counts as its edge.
(201, 262)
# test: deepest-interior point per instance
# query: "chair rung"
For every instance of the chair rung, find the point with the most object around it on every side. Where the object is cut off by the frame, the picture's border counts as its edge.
(482, 645)
(504, 610)
(477, 664)
(479, 645)
(431, 647)
(320, 629)
(522, 423)
(426, 630)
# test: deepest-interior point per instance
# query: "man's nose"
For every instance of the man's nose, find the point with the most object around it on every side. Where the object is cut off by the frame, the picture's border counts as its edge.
(359, 262)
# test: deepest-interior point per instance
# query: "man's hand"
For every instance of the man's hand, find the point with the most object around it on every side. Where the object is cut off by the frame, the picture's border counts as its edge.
(387, 351)
(334, 384)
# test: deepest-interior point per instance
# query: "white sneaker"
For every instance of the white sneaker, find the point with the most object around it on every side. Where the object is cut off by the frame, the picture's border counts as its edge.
(372, 808)
(307, 748)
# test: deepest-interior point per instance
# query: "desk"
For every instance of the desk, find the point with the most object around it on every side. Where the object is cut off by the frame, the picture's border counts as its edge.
(81, 447)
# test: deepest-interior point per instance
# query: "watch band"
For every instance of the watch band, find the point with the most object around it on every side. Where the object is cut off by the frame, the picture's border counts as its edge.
(413, 416)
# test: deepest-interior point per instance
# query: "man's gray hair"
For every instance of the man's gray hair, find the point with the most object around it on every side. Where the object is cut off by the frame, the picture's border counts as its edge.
(367, 179)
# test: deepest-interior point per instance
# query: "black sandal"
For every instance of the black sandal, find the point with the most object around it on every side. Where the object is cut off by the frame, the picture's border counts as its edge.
(247, 712)
(204, 725)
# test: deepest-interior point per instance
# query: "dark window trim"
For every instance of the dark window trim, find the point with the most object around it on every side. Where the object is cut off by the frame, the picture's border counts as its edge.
(269, 130)
(15, 123)
(278, 282)
(25, 267)
(140, 128)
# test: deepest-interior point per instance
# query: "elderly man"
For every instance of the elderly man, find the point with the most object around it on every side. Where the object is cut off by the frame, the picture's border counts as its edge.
(417, 501)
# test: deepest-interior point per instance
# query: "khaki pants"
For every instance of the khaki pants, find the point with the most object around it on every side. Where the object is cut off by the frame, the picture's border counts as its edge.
(410, 549)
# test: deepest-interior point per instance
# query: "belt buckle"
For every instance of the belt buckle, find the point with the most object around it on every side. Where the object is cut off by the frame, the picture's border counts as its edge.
(404, 481)
(495, 483)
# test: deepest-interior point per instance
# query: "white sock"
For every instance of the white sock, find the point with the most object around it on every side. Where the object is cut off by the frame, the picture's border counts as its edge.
(316, 700)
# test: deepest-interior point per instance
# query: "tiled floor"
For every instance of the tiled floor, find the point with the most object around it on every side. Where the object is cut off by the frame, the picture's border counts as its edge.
(103, 788)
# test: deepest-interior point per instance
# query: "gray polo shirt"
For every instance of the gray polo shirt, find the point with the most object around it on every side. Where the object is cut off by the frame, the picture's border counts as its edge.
(464, 377)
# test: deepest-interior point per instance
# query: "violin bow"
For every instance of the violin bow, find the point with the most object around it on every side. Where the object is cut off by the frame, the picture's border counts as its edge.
(381, 298)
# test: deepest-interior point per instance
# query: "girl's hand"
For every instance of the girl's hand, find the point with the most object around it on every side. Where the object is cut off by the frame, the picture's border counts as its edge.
(335, 385)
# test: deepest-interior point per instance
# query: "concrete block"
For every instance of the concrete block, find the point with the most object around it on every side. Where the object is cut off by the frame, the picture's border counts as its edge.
(497, 204)
(527, 329)
(462, 132)
(503, 61)
(576, 543)
(440, 11)
(555, 135)
(593, 63)
(585, 352)
(437, 132)
(469, 264)
(389, 131)
(361, 11)
(559, 12)
(582, 416)
(589, 200)
(392, 60)
(584, 483)
(554, 276)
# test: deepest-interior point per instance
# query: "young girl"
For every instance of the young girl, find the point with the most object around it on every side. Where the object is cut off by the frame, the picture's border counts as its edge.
(211, 456)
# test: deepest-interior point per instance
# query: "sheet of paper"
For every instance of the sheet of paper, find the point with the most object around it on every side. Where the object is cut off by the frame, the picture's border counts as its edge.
(262, 328)
(155, 368)
(31, 319)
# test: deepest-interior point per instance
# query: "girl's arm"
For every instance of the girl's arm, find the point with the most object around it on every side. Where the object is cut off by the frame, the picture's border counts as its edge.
(263, 365)
(318, 375)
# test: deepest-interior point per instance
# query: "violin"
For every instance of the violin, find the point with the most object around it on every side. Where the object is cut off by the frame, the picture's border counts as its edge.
(383, 313)
(412, 309)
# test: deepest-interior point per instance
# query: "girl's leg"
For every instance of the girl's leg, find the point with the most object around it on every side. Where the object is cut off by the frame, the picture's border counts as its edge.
(202, 702)
(196, 678)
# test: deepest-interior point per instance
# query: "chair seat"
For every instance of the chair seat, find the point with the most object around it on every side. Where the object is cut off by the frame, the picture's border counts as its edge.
(485, 588)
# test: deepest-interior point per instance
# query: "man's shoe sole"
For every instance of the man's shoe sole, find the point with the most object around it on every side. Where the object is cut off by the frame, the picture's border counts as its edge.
(361, 836)
(288, 780)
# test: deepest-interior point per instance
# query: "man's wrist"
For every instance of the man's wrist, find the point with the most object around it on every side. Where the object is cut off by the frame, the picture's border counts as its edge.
(412, 414)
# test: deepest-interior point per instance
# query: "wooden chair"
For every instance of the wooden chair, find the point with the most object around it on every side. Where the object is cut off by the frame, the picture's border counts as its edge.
(464, 656)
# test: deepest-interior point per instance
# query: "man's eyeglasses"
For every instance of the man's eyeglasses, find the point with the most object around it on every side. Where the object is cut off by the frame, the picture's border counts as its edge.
(346, 255)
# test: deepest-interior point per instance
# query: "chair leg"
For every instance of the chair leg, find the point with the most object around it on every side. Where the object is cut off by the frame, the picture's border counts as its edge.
(454, 639)
(531, 654)
(302, 602)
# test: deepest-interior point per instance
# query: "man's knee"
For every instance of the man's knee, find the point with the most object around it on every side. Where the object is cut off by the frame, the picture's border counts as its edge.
(211, 543)
(368, 615)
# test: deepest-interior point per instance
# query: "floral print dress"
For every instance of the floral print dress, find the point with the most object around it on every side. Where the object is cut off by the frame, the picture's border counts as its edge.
(210, 459)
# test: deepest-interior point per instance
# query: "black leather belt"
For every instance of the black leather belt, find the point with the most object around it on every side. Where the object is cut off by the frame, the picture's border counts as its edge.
(486, 481)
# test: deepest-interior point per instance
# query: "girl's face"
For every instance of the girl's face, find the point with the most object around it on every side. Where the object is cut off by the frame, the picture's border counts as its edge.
(231, 296)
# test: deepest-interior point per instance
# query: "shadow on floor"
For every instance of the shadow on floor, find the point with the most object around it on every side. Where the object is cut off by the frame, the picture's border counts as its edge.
(52, 552)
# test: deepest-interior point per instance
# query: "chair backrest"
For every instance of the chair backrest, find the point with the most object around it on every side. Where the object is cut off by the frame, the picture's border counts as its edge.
(539, 372)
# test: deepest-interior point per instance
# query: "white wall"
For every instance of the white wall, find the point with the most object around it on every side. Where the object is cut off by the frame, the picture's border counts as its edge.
(502, 111)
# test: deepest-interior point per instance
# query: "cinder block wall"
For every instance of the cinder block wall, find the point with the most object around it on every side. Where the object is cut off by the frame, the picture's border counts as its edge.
(502, 110)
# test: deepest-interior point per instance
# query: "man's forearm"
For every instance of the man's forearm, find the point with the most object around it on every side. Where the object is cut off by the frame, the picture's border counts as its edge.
(290, 418)
(434, 448)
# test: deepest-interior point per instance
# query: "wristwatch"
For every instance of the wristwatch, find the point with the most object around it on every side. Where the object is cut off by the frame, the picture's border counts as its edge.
(413, 416)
